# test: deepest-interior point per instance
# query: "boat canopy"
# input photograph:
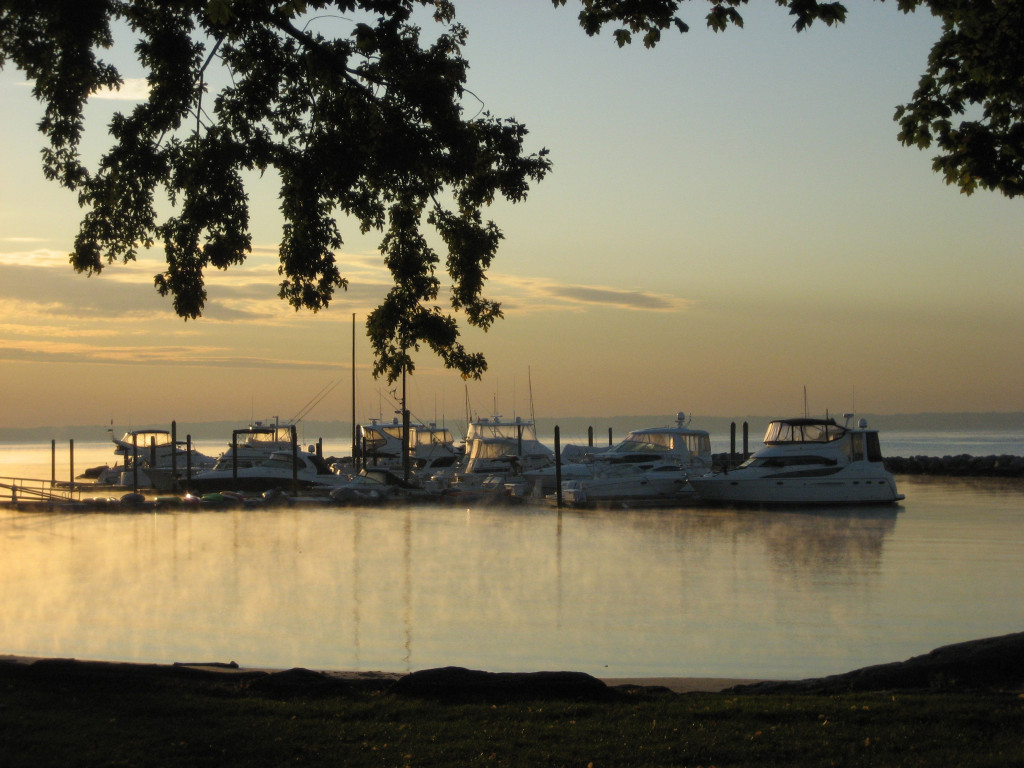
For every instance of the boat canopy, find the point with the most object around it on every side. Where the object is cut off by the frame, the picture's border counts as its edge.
(803, 431)
(498, 429)
(146, 437)
(645, 441)
(502, 448)
(427, 437)
(379, 436)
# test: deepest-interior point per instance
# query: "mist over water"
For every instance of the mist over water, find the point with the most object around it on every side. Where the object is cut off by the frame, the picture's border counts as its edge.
(692, 591)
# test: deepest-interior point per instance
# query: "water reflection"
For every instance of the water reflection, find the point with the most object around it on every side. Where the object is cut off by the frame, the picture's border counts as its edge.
(717, 592)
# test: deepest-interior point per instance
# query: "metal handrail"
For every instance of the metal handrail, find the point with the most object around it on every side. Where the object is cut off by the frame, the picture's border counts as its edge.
(27, 489)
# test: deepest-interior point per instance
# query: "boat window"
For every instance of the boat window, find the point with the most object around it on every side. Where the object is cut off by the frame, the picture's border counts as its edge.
(803, 431)
(857, 446)
(641, 441)
(281, 460)
(874, 448)
(776, 462)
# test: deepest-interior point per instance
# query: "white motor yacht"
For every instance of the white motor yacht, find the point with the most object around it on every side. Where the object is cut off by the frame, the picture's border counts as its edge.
(498, 453)
(148, 457)
(806, 461)
(649, 467)
(281, 469)
(431, 448)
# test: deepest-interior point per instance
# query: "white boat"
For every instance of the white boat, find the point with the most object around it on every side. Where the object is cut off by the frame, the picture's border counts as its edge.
(806, 461)
(431, 448)
(258, 441)
(150, 458)
(280, 469)
(498, 453)
(649, 467)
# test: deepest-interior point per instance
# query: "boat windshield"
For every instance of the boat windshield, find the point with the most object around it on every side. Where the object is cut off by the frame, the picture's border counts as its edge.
(495, 428)
(803, 431)
(379, 436)
(493, 449)
(147, 438)
(425, 438)
(694, 443)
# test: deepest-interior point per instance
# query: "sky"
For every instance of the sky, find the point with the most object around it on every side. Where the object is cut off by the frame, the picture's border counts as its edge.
(730, 222)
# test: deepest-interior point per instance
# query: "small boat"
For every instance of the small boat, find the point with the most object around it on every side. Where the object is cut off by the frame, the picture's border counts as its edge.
(650, 467)
(806, 461)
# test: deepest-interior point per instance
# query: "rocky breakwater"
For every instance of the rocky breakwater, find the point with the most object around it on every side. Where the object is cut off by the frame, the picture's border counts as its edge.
(963, 465)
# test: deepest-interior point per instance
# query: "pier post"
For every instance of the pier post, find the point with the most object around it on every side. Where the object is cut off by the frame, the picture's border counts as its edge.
(558, 468)
(188, 463)
(135, 463)
(174, 451)
(609, 437)
(745, 434)
(71, 485)
(53, 461)
(590, 437)
(295, 460)
(732, 444)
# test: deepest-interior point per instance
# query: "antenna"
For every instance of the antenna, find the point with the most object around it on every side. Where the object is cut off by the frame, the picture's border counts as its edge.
(529, 381)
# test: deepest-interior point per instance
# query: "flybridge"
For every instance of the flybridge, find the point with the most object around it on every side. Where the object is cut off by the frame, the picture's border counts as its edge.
(804, 430)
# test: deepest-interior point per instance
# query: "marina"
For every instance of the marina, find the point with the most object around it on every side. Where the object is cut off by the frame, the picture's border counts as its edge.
(804, 461)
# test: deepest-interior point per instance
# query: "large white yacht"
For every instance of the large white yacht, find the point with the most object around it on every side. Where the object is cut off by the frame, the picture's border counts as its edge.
(806, 461)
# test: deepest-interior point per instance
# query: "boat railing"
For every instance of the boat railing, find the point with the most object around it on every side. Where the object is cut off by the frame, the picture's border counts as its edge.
(25, 489)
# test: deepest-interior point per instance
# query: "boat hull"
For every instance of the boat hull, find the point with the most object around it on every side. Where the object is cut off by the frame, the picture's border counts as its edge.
(844, 488)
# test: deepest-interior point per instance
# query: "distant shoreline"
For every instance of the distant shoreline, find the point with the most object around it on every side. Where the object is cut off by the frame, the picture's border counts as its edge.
(570, 427)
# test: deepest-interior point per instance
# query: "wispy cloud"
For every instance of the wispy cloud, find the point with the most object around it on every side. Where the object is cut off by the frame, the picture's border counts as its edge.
(132, 89)
(533, 295)
(51, 351)
(122, 297)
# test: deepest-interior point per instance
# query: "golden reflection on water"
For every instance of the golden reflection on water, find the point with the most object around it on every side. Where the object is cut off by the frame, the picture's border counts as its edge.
(613, 593)
(401, 589)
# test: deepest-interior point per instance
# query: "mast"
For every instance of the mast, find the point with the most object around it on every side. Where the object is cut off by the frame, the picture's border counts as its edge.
(355, 433)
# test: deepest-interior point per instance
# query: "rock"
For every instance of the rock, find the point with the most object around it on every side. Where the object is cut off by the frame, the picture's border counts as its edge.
(995, 663)
(461, 683)
(962, 465)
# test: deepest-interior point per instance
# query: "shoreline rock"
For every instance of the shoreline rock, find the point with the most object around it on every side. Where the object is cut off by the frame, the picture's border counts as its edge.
(963, 465)
(989, 664)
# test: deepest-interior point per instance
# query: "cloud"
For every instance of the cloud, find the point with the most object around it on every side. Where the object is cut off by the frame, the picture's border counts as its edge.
(50, 351)
(132, 89)
(531, 295)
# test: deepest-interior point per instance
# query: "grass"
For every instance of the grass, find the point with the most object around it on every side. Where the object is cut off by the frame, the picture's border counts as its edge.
(170, 721)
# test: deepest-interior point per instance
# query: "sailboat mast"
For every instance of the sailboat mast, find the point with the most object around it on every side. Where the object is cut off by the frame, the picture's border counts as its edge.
(355, 429)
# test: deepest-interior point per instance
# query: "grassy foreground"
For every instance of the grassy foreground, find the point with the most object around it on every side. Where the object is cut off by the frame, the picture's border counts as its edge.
(219, 720)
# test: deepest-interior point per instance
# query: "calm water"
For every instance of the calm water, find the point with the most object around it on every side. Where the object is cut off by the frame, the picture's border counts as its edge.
(690, 592)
